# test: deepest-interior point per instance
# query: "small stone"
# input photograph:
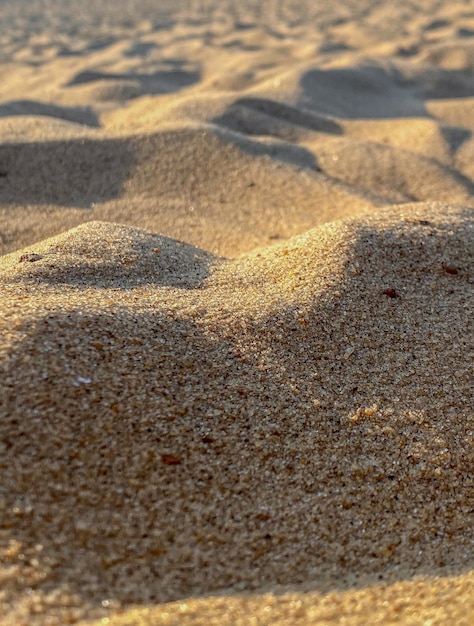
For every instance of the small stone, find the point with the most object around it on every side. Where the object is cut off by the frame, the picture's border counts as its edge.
(31, 257)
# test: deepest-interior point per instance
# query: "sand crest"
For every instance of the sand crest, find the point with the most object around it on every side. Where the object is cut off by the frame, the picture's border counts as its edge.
(236, 313)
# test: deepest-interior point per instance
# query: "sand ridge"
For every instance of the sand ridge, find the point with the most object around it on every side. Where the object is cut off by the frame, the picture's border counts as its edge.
(236, 330)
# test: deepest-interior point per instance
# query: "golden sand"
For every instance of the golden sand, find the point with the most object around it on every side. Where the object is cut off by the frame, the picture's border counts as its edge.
(236, 313)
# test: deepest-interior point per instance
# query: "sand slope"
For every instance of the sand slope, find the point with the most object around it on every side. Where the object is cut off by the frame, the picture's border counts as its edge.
(236, 296)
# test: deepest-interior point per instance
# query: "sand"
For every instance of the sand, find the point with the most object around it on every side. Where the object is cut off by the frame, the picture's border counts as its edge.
(236, 313)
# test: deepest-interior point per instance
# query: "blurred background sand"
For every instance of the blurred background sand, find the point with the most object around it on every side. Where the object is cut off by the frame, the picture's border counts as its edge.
(276, 116)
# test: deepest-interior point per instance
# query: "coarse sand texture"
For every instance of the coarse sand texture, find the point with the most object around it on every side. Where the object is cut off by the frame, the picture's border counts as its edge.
(236, 313)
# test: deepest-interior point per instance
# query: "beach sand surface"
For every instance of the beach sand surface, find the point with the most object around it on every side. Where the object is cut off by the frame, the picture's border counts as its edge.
(236, 312)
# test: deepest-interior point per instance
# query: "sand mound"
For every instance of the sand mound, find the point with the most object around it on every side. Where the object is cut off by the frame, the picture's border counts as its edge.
(187, 431)
(236, 330)
(109, 255)
(444, 600)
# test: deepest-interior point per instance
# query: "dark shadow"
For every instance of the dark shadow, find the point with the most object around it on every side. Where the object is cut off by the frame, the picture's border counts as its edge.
(140, 49)
(331, 47)
(267, 29)
(152, 84)
(106, 483)
(65, 51)
(78, 115)
(240, 45)
(447, 84)
(408, 51)
(101, 44)
(259, 117)
(466, 32)
(281, 150)
(163, 24)
(148, 260)
(370, 91)
(72, 173)
(242, 26)
(167, 448)
(98, 44)
(455, 136)
(436, 24)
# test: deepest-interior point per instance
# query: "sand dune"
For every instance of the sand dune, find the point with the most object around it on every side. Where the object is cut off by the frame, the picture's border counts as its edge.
(236, 298)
